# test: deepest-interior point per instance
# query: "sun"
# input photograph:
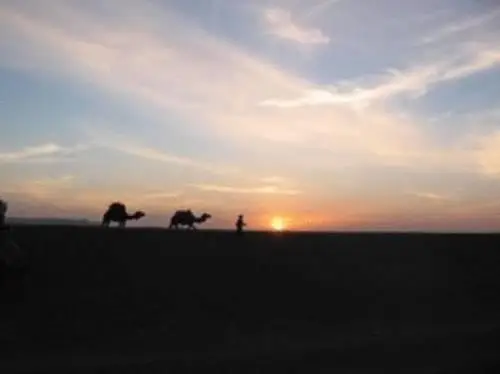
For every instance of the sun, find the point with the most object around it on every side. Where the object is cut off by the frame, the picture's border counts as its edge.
(278, 224)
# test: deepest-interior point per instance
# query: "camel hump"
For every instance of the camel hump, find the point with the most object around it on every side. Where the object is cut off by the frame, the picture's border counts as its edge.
(183, 216)
(183, 213)
(117, 207)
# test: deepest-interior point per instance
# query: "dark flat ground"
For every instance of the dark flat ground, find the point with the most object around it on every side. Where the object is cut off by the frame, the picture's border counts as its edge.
(156, 301)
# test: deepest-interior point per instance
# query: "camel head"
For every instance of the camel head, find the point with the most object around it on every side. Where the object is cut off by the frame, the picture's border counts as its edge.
(204, 217)
(138, 215)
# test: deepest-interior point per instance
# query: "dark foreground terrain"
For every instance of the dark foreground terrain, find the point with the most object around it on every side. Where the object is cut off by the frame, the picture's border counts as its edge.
(154, 301)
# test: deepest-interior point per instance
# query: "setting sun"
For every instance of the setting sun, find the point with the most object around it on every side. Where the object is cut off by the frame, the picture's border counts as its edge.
(278, 224)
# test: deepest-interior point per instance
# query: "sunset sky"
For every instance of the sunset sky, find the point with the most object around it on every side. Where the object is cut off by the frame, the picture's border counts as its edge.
(340, 114)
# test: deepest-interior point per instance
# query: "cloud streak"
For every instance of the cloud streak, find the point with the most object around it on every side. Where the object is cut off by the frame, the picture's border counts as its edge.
(126, 146)
(43, 188)
(458, 27)
(320, 7)
(219, 86)
(281, 25)
(264, 190)
(160, 195)
(208, 80)
(415, 81)
(432, 196)
(50, 152)
(487, 154)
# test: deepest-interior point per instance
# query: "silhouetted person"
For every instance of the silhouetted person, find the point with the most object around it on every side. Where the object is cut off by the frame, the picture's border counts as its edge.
(240, 224)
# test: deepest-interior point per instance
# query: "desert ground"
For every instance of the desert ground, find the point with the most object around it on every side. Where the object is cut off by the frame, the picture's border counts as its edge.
(155, 301)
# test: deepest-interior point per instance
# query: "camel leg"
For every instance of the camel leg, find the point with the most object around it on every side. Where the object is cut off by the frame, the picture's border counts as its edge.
(105, 221)
(121, 224)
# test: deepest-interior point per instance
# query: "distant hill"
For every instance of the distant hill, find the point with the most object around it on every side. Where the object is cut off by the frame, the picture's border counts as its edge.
(50, 221)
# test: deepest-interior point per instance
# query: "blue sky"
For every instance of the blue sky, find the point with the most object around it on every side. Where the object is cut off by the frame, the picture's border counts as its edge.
(337, 114)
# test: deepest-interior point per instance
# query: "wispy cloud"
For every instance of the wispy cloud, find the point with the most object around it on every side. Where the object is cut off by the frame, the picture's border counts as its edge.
(161, 156)
(487, 154)
(208, 80)
(154, 202)
(160, 195)
(156, 155)
(273, 190)
(281, 25)
(100, 137)
(432, 196)
(43, 188)
(217, 86)
(460, 26)
(49, 152)
(320, 7)
(274, 179)
(415, 81)
(63, 181)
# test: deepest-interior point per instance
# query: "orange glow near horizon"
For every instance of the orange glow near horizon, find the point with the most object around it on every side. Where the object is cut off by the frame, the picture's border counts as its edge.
(278, 223)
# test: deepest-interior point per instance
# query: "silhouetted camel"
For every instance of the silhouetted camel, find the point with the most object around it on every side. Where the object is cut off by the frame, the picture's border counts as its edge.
(117, 212)
(187, 218)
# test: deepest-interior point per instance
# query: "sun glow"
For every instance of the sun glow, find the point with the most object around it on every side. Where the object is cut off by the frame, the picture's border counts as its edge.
(278, 224)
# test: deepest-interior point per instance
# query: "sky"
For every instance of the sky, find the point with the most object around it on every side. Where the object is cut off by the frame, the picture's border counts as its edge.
(332, 114)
